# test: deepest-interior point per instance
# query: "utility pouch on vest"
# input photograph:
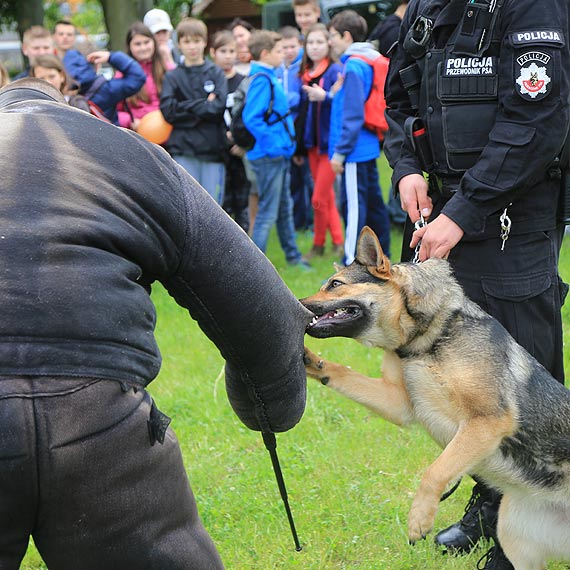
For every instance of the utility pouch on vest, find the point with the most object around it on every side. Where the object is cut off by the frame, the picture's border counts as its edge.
(411, 78)
(477, 25)
(418, 37)
(417, 135)
(467, 90)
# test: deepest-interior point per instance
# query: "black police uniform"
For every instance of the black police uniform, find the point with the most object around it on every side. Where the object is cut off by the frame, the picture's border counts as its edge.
(91, 216)
(477, 97)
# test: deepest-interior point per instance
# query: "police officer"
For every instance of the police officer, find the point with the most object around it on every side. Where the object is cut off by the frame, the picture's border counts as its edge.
(477, 97)
(92, 215)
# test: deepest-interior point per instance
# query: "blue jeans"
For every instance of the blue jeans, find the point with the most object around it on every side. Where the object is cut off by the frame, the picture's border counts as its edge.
(275, 205)
(210, 175)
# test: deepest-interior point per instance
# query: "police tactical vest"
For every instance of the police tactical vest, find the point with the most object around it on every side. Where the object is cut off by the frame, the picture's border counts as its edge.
(455, 87)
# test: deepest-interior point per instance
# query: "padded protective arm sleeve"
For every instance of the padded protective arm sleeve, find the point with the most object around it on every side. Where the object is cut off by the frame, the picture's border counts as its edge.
(245, 308)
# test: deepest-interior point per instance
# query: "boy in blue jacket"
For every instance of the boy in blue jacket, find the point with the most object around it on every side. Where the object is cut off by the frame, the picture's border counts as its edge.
(274, 146)
(301, 183)
(353, 149)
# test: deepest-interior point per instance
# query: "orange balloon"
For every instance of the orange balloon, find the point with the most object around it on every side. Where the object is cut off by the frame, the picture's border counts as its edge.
(154, 128)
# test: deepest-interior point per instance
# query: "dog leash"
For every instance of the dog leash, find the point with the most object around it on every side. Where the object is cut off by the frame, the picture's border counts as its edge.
(419, 224)
(271, 445)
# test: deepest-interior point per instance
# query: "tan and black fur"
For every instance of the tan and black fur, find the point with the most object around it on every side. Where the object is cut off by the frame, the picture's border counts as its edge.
(449, 366)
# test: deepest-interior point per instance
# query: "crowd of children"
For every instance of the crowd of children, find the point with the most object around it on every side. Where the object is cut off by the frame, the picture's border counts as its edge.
(313, 159)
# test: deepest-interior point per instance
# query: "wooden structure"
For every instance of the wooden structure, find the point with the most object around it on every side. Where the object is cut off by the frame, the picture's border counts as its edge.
(217, 14)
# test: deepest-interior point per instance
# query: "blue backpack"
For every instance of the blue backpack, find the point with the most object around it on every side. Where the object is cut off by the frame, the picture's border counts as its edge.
(240, 133)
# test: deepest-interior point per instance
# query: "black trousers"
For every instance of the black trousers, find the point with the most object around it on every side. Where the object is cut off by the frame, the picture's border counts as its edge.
(519, 286)
(79, 474)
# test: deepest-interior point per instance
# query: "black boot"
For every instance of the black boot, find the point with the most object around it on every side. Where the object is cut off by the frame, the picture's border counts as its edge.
(494, 559)
(480, 520)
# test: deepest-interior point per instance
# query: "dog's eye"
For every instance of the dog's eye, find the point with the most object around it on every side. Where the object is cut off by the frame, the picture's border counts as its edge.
(335, 283)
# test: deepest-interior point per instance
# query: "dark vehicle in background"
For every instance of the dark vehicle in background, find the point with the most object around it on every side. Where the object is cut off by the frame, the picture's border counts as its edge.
(279, 13)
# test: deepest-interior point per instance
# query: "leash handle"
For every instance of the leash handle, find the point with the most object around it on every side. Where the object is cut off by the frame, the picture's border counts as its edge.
(271, 445)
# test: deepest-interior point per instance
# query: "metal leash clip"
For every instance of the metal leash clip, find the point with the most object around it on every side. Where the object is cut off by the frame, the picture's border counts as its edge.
(505, 228)
(419, 224)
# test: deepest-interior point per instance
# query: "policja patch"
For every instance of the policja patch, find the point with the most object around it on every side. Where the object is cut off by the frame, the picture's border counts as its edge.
(533, 75)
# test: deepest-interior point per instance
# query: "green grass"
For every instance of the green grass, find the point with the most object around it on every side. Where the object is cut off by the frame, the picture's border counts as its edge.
(350, 475)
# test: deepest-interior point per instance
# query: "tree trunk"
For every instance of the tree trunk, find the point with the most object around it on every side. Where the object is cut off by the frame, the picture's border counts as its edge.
(143, 6)
(119, 15)
(29, 13)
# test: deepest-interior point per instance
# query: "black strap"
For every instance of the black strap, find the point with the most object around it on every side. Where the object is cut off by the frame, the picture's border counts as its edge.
(128, 110)
(95, 86)
(271, 445)
(270, 110)
(411, 78)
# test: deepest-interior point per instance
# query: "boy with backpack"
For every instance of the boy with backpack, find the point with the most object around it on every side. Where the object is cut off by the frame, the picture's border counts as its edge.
(354, 143)
(266, 116)
(288, 73)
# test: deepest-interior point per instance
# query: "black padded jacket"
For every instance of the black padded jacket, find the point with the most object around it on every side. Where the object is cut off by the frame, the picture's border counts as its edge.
(90, 216)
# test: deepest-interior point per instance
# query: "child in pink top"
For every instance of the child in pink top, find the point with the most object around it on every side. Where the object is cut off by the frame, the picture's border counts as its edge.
(319, 75)
(141, 45)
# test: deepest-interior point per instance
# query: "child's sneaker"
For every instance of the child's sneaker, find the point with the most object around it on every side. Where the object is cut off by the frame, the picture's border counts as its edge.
(302, 263)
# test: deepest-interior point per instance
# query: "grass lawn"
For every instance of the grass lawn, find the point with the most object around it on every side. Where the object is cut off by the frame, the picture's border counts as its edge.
(350, 475)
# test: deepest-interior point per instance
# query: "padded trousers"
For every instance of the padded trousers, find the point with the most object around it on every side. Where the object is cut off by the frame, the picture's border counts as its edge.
(78, 472)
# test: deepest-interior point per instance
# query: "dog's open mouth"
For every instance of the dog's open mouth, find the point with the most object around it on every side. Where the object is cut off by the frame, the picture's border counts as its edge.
(342, 314)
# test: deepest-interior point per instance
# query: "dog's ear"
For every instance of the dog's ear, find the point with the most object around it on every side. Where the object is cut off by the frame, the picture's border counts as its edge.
(369, 253)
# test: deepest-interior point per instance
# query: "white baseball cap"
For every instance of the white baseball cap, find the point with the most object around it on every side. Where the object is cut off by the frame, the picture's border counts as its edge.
(156, 20)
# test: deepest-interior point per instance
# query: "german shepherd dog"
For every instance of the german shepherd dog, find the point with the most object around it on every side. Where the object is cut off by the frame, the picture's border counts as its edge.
(495, 411)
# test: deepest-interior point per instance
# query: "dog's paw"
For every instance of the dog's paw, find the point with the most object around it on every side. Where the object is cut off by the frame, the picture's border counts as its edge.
(420, 524)
(417, 531)
(315, 366)
(414, 536)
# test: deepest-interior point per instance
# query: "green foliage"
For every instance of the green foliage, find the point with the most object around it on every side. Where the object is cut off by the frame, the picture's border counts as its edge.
(350, 475)
(176, 9)
(88, 18)
(8, 12)
(51, 15)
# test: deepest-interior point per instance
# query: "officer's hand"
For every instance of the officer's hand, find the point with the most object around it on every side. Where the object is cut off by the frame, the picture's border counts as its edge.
(413, 190)
(438, 238)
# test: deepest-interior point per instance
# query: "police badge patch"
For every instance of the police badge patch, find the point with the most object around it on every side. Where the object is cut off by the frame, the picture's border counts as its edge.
(533, 75)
